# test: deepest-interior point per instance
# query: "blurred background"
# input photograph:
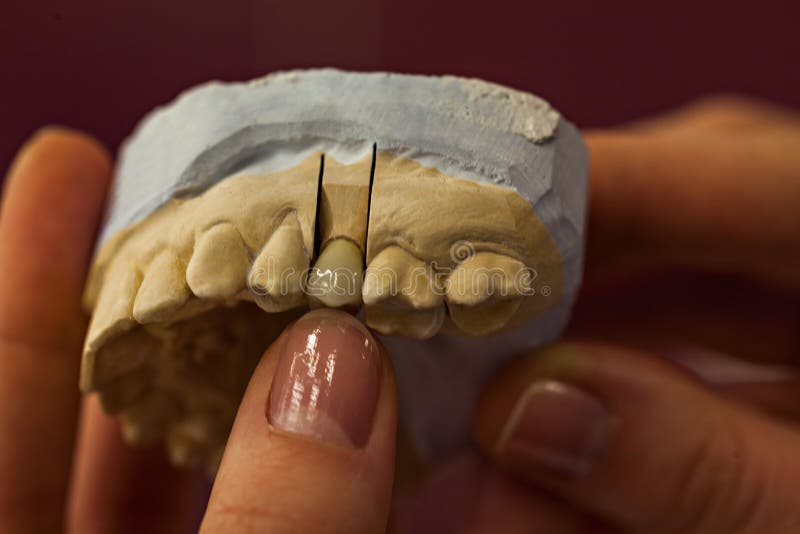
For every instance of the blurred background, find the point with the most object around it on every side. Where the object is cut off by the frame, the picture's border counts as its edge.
(100, 66)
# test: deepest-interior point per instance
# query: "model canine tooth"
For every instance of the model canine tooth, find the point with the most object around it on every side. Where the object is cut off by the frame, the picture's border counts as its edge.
(276, 278)
(335, 280)
(485, 291)
(400, 295)
(163, 291)
(219, 264)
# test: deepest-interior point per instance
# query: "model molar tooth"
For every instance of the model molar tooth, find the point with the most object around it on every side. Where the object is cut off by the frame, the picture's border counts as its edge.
(276, 278)
(336, 279)
(485, 291)
(146, 421)
(163, 290)
(191, 441)
(401, 296)
(219, 264)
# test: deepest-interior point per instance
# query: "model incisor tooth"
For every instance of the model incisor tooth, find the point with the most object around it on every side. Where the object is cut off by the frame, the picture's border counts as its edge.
(452, 209)
(335, 281)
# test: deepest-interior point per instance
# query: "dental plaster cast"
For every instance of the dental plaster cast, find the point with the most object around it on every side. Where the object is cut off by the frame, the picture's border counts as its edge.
(449, 210)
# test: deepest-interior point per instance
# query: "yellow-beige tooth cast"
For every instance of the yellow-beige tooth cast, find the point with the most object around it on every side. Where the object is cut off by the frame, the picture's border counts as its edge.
(163, 291)
(103, 359)
(485, 291)
(277, 276)
(127, 389)
(336, 278)
(219, 264)
(146, 421)
(190, 441)
(335, 281)
(401, 296)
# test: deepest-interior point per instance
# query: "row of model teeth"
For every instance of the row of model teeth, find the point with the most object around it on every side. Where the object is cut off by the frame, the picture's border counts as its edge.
(411, 303)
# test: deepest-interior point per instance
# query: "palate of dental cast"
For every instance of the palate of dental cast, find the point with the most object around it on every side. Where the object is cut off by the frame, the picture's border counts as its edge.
(442, 207)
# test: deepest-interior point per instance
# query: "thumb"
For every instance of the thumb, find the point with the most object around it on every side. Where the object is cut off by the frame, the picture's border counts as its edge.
(312, 447)
(631, 438)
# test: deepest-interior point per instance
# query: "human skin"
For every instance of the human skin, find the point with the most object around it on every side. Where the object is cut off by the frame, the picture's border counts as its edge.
(712, 190)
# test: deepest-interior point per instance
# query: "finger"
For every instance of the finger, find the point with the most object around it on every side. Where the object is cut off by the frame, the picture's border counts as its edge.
(51, 207)
(777, 398)
(467, 494)
(719, 113)
(508, 505)
(634, 440)
(118, 488)
(671, 312)
(722, 203)
(313, 445)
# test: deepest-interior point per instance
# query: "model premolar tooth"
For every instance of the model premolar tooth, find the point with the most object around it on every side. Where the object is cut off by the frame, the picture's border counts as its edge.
(219, 264)
(400, 295)
(485, 291)
(163, 291)
(276, 278)
(336, 278)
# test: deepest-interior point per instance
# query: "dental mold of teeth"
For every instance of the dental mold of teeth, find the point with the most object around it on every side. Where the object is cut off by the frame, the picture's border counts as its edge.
(450, 211)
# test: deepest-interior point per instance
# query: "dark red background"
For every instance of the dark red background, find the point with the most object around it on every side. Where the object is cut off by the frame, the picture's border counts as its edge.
(99, 65)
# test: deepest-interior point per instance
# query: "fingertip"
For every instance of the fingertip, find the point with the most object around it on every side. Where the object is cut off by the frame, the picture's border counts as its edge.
(598, 427)
(503, 395)
(313, 442)
(66, 145)
(51, 208)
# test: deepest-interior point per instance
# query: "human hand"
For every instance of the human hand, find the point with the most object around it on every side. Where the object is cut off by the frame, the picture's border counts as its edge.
(694, 253)
(288, 466)
(108, 473)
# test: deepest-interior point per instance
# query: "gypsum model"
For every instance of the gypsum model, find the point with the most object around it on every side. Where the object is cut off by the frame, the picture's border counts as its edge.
(449, 210)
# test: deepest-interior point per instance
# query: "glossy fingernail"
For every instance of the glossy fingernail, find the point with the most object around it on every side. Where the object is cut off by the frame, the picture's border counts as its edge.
(557, 427)
(327, 380)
